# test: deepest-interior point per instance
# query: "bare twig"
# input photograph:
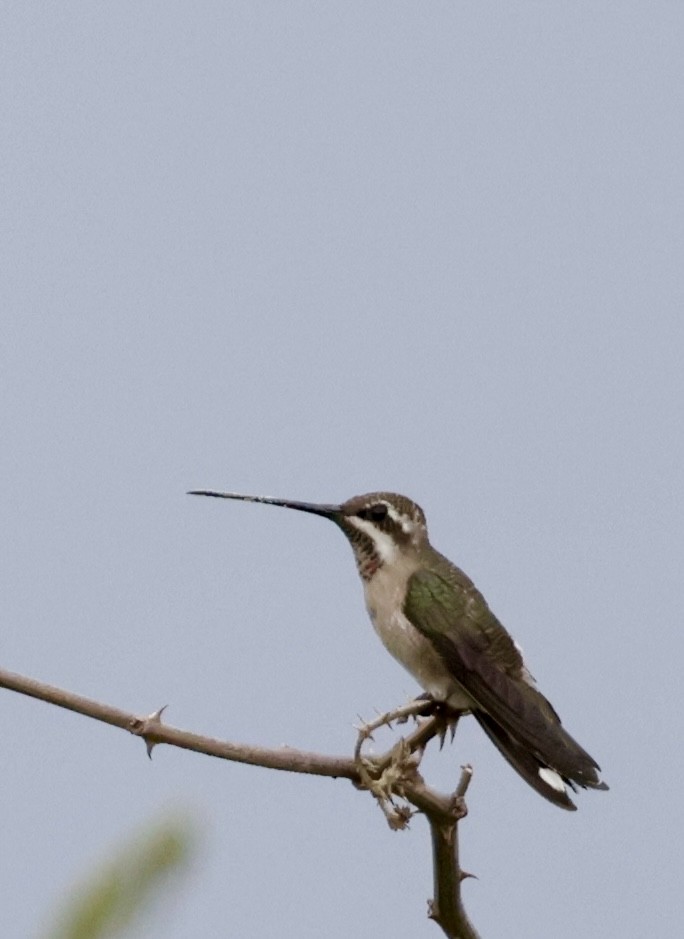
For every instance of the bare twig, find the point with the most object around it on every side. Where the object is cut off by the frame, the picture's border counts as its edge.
(443, 814)
(394, 773)
(154, 732)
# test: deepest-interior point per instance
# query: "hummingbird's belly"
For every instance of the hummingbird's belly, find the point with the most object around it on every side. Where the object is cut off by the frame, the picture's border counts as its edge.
(412, 650)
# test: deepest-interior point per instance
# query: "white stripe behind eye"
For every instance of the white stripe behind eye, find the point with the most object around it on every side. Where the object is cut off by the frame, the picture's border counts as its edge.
(384, 543)
(405, 523)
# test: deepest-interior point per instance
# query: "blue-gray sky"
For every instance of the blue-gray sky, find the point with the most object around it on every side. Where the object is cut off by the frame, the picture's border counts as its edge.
(315, 249)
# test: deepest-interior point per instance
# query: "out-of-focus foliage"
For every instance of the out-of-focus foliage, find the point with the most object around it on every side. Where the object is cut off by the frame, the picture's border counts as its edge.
(109, 902)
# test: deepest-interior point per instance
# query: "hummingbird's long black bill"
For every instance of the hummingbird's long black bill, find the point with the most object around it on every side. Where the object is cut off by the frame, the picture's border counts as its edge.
(328, 511)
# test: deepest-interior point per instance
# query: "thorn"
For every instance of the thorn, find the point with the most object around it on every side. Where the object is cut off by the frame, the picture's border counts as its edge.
(153, 718)
(365, 728)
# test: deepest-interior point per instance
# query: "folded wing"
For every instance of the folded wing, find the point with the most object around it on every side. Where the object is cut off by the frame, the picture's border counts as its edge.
(478, 652)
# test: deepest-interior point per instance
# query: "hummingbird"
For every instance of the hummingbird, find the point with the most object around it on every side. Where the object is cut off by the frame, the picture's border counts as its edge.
(432, 619)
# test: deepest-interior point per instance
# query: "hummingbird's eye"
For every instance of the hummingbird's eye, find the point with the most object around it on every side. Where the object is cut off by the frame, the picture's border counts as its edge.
(374, 513)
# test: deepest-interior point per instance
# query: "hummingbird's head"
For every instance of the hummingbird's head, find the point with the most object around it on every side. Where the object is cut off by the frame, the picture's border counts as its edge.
(381, 526)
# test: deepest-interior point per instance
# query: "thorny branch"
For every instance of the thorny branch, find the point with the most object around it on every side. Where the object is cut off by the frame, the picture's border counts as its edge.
(392, 778)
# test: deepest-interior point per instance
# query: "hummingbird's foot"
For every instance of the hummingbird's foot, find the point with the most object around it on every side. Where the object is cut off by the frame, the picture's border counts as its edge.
(447, 719)
(422, 706)
(427, 706)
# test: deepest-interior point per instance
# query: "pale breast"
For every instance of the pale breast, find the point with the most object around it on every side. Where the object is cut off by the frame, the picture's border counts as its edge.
(384, 599)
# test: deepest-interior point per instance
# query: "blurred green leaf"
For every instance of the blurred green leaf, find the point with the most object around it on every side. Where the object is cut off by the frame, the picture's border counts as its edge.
(108, 903)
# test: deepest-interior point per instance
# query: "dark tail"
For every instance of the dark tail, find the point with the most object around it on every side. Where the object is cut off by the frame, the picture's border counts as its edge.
(547, 781)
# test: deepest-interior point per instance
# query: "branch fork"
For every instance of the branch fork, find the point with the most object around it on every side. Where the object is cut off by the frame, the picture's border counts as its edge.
(389, 777)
